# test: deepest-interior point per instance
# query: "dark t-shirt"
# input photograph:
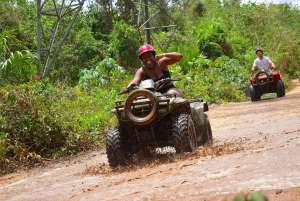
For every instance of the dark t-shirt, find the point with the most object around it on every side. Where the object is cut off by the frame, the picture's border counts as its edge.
(165, 74)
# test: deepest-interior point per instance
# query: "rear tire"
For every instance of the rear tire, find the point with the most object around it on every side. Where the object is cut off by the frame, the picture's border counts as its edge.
(184, 134)
(114, 148)
(279, 88)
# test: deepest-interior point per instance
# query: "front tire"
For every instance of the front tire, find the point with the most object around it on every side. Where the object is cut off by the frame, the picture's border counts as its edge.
(283, 88)
(114, 148)
(184, 134)
(280, 88)
(253, 94)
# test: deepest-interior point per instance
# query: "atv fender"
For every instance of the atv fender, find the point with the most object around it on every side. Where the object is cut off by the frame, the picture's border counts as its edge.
(197, 111)
(175, 102)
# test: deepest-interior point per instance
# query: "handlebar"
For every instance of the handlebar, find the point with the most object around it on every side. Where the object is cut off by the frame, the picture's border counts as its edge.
(156, 85)
(128, 89)
(263, 69)
(165, 81)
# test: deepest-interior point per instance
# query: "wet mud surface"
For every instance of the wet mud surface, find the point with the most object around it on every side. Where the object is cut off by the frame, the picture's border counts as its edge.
(256, 148)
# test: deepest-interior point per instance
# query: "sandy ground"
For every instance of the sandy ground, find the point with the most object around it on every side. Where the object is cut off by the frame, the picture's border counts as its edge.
(256, 148)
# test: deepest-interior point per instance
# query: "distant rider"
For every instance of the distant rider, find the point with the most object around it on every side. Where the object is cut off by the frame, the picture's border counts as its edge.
(262, 62)
(156, 68)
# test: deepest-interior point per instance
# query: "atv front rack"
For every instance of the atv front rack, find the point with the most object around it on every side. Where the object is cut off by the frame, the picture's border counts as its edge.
(141, 107)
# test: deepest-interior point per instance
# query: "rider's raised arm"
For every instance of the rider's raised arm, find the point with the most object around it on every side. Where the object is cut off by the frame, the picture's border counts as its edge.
(169, 58)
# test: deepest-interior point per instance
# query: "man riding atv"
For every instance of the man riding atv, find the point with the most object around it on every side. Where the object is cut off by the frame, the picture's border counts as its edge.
(156, 68)
(265, 80)
(262, 62)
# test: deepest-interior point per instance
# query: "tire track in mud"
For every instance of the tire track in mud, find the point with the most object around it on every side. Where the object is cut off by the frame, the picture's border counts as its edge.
(150, 160)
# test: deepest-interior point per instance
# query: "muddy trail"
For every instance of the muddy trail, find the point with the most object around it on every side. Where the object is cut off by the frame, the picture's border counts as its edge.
(256, 148)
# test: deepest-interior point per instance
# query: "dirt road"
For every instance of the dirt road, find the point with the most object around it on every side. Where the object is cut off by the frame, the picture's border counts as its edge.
(256, 147)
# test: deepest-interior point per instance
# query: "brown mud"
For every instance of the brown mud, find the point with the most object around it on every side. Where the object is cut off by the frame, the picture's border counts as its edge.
(256, 148)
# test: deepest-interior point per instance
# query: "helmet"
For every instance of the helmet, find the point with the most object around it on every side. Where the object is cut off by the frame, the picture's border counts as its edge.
(146, 48)
(258, 49)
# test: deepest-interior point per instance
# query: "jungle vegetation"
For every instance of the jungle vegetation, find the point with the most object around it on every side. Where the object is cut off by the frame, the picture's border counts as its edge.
(68, 111)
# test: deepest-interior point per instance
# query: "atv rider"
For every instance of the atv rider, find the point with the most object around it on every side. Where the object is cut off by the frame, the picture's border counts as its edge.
(156, 68)
(262, 62)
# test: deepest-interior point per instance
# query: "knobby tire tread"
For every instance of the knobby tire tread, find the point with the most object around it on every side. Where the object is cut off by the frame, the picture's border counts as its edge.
(181, 138)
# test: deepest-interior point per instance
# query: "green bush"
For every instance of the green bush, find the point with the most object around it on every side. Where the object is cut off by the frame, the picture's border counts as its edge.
(42, 121)
(221, 81)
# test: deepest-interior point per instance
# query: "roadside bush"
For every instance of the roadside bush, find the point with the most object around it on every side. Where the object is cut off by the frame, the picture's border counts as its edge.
(100, 75)
(254, 196)
(221, 81)
(40, 121)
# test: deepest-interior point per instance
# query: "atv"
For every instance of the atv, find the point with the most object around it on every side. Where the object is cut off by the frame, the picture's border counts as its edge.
(148, 119)
(266, 81)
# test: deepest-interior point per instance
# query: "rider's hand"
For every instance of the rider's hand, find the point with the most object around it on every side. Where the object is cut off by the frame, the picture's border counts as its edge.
(128, 88)
(124, 90)
(254, 68)
(159, 56)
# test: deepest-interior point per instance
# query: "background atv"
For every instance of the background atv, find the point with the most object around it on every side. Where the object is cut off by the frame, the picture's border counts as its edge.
(148, 119)
(266, 81)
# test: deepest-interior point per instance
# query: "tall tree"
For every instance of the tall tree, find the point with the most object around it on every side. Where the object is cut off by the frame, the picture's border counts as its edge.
(126, 10)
